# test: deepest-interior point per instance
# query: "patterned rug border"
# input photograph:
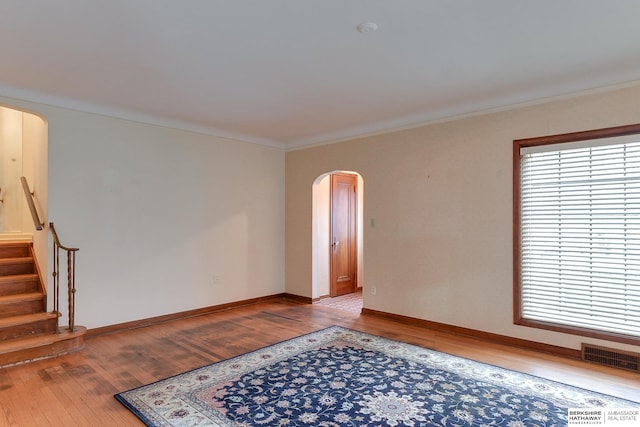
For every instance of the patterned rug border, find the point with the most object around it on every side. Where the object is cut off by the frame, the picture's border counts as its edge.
(526, 383)
(120, 396)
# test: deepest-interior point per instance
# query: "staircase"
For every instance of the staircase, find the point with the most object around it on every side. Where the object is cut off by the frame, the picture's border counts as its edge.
(27, 331)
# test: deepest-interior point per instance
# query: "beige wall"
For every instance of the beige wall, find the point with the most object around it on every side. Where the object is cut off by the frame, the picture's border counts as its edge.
(11, 212)
(321, 235)
(158, 213)
(35, 169)
(438, 211)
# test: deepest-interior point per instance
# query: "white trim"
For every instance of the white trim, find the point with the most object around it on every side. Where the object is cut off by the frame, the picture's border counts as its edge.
(132, 116)
(427, 119)
(16, 237)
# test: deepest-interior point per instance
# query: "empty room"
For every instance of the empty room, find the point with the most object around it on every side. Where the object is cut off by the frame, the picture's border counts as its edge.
(241, 212)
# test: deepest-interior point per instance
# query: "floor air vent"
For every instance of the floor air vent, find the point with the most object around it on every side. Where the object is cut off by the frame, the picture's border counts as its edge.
(611, 357)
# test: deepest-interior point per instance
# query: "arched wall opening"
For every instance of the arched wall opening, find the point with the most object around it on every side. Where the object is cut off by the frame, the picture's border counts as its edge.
(320, 263)
(23, 152)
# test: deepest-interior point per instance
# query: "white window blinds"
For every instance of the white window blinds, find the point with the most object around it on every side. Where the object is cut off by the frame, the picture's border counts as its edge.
(580, 235)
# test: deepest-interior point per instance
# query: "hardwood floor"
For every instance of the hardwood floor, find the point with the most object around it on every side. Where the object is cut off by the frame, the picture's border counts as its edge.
(77, 389)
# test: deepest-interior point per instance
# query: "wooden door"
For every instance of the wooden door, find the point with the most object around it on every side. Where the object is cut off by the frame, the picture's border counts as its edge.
(343, 234)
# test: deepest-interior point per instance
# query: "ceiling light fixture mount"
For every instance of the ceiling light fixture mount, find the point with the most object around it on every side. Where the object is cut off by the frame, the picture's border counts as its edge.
(367, 27)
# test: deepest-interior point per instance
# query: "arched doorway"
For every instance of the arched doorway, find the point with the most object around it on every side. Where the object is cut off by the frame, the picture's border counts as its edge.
(23, 152)
(321, 234)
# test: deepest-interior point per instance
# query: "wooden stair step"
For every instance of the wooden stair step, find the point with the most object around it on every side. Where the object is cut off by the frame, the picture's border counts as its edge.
(17, 265)
(16, 260)
(18, 283)
(18, 304)
(27, 325)
(26, 296)
(28, 349)
(13, 250)
(27, 318)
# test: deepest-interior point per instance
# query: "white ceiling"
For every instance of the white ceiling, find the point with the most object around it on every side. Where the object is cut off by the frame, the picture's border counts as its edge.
(289, 73)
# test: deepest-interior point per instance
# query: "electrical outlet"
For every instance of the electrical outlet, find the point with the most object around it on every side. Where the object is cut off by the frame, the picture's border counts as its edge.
(216, 279)
(374, 291)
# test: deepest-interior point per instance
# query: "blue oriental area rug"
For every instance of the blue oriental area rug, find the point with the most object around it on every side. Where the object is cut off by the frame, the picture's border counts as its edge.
(341, 377)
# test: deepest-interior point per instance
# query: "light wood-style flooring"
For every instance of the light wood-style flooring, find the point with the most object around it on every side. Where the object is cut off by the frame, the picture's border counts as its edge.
(77, 389)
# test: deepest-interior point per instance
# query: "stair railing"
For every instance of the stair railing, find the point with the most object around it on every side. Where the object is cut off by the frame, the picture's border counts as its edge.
(37, 223)
(71, 277)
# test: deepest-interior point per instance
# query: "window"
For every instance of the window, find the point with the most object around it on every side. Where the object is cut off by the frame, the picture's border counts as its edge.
(577, 233)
